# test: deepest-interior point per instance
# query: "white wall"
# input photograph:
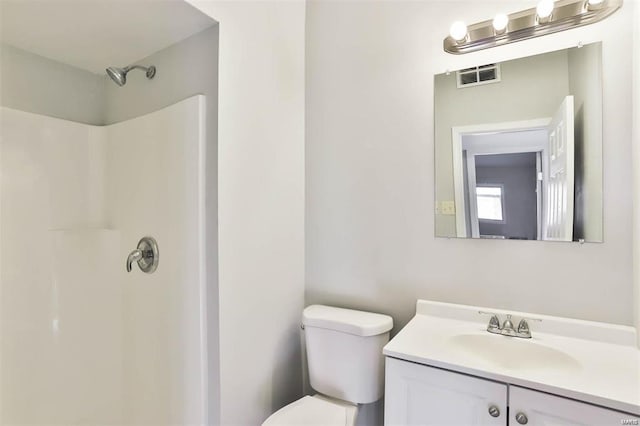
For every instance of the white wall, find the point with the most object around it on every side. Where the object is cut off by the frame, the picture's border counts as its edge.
(261, 205)
(636, 170)
(369, 168)
(33, 83)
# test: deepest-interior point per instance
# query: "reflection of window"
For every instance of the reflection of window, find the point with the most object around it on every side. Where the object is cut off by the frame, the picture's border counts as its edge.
(490, 202)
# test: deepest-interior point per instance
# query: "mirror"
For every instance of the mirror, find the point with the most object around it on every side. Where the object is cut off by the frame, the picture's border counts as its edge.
(518, 148)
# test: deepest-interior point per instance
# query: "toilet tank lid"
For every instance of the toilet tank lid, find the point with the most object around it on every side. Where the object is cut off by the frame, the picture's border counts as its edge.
(350, 321)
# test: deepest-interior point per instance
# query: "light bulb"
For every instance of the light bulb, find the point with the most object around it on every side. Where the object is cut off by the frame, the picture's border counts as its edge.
(544, 10)
(595, 4)
(458, 31)
(500, 23)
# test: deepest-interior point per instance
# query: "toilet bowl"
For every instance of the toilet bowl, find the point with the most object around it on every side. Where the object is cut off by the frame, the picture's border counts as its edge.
(346, 366)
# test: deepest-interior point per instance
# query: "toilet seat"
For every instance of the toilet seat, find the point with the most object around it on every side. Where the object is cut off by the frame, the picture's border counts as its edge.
(314, 410)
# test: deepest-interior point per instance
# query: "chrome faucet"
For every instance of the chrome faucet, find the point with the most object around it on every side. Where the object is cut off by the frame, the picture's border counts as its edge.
(507, 328)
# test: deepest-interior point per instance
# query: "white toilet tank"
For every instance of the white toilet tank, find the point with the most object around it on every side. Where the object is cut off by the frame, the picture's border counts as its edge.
(344, 352)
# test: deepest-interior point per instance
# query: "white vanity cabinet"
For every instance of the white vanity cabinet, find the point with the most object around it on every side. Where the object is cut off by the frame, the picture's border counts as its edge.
(418, 394)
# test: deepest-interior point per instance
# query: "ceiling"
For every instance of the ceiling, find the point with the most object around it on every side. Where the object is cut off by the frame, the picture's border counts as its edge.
(95, 34)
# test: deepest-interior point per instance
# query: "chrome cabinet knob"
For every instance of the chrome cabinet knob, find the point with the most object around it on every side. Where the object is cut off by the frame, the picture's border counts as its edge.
(522, 418)
(494, 411)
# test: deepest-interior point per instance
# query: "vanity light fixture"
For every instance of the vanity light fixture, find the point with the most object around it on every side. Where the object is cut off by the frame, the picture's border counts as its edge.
(547, 18)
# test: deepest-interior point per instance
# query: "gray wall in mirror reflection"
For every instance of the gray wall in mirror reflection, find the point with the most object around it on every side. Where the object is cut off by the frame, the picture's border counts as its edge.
(517, 175)
(530, 88)
(585, 84)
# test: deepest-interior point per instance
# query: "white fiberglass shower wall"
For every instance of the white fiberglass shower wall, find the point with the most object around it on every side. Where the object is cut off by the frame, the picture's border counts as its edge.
(82, 341)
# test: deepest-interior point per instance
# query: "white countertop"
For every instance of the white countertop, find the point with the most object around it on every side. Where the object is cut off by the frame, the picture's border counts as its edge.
(593, 362)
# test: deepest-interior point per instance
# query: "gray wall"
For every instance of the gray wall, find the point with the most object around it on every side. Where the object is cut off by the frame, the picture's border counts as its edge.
(586, 88)
(184, 69)
(370, 178)
(33, 83)
(519, 200)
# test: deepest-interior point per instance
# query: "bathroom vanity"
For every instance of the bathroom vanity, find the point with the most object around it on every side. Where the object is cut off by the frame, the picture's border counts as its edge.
(445, 368)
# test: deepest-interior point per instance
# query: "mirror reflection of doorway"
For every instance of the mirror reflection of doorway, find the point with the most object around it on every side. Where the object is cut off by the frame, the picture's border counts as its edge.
(507, 202)
(496, 166)
(551, 141)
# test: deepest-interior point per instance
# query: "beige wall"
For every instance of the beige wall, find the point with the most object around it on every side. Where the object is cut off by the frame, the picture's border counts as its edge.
(586, 88)
(530, 88)
(370, 180)
(36, 84)
(261, 205)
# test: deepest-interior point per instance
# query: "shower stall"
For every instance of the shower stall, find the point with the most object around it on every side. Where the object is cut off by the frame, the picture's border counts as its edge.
(103, 283)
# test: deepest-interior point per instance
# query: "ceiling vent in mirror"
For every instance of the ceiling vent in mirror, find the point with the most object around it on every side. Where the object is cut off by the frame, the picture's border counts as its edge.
(476, 76)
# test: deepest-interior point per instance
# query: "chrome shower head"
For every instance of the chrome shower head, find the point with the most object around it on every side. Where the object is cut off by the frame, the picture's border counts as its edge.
(119, 75)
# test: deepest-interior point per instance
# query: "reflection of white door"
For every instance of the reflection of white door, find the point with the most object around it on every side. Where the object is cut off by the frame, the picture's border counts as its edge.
(557, 200)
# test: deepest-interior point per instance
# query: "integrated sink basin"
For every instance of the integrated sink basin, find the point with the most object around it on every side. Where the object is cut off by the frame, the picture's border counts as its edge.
(513, 353)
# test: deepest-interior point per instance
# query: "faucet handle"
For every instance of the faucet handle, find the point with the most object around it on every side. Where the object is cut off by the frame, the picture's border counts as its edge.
(494, 321)
(523, 327)
(146, 255)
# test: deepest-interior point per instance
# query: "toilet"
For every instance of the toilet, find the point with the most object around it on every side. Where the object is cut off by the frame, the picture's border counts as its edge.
(346, 366)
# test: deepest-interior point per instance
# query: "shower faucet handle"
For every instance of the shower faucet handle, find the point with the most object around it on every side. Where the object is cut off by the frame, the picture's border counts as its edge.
(134, 256)
(146, 255)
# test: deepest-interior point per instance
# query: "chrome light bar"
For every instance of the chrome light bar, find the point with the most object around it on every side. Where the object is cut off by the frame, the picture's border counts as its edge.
(527, 24)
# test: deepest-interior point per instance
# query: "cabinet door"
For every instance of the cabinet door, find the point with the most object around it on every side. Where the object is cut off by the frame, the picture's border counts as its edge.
(541, 409)
(417, 395)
